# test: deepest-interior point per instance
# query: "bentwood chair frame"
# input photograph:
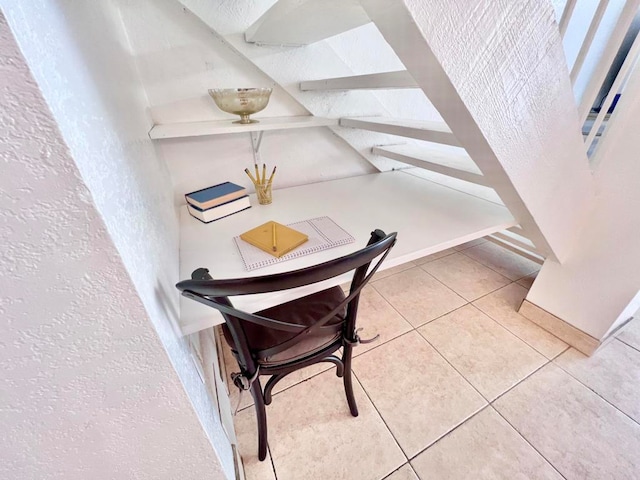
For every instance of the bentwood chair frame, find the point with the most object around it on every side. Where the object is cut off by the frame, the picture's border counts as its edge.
(215, 293)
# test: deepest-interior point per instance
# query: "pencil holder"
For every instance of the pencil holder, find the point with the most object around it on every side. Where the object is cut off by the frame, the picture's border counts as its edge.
(263, 192)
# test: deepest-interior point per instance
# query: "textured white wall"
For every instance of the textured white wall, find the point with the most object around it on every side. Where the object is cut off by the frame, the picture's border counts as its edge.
(179, 59)
(78, 54)
(596, 284)
(87, 389)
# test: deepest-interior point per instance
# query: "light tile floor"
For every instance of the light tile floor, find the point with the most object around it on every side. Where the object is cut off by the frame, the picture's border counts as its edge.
(460, 386)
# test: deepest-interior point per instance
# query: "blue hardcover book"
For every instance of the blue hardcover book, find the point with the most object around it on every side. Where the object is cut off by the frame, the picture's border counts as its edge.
(216, 195)
(220, 211)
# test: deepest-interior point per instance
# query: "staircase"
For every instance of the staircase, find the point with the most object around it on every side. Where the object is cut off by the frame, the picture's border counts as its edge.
(463, 145)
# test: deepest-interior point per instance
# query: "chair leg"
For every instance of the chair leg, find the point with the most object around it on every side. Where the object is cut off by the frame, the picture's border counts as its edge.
(261, 418)
(348, 385)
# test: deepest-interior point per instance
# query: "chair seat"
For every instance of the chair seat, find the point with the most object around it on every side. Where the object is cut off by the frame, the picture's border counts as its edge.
(302, 311)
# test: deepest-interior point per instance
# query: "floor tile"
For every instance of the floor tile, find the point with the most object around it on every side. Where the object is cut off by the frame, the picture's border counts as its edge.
(465, 276)
(418, 296)
(472, 243)
(379, 275)
(417, 393)
(403, 473)
(493, 450)
(527, 281)
(582, 435)
(487, 355)
(247, 435)
(631, 333)
(503, 261)
(377, 317)
(613, 372)
(434, 256)
(312, 435)
(502, 306)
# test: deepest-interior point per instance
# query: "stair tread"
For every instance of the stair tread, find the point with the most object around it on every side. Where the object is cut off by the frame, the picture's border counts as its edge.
(433, 125)
(382, 80)
(446, 155)
(428, 130)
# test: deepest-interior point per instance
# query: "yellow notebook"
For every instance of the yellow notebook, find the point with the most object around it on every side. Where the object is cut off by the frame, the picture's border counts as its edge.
(274, 238)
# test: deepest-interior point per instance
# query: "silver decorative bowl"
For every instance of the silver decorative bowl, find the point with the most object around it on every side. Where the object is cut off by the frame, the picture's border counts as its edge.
(241, 101)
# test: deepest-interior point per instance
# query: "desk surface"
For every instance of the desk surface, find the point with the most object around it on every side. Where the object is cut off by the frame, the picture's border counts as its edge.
(428, 218)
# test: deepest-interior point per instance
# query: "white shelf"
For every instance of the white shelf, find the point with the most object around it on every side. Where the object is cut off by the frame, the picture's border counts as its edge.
(428, 218)
(220, 127)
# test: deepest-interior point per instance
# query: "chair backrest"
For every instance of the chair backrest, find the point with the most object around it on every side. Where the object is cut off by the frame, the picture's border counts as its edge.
(214, 293)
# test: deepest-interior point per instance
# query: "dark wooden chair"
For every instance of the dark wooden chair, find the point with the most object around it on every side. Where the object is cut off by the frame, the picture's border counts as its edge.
(282, 339)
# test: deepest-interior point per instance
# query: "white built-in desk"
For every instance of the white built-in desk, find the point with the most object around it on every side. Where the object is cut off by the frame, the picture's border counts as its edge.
(427, 216)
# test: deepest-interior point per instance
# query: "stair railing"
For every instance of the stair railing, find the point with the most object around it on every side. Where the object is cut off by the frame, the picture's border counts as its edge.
(608, 77)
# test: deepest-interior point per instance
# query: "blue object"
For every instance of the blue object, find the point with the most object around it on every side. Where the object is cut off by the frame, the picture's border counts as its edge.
(220, 190)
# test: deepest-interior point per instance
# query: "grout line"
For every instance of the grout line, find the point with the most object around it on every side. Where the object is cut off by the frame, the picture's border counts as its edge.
(451, 430)
(597, 393)
(517, 336)
(628, 344)
(548, 362)
(568, 348)
(397, 469)
(460, 295)
(453, 367)
(428, 321)
(273, 464)
(528, 442)
(523, 318)
(353, 374)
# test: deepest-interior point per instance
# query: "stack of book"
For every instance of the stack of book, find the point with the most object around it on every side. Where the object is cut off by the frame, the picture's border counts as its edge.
(219, 201)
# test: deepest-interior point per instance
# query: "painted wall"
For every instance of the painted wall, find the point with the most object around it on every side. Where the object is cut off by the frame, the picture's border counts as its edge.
(87, 388)
(79, 56)
(597, 288)
(179, 59)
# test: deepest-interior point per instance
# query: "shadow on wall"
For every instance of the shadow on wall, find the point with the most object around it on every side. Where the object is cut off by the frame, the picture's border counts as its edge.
(171, 312)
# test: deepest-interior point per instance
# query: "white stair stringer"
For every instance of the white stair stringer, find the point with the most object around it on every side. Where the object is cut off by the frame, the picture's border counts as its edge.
(482, 92)
(444, 159)
(287, 66)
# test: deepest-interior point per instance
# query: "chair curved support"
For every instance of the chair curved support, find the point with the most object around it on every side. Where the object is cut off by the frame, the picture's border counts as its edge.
(297, 336)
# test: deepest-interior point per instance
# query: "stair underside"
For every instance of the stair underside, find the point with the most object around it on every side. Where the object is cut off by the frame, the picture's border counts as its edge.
(302, 22)
(437, 132)
(444, 159)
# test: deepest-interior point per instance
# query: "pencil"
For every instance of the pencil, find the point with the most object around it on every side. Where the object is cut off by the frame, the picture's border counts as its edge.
(255, 165)
(264, 172)
(271, 177)
(246, 170)
(273, 239)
